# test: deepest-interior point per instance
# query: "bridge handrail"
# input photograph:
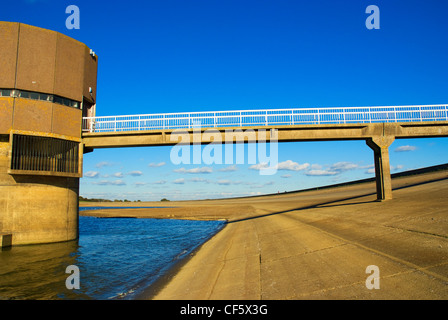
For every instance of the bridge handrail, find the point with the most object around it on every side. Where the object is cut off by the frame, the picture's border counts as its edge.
(266, 117)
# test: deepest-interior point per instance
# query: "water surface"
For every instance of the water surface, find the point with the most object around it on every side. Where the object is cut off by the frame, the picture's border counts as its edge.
(117, 258)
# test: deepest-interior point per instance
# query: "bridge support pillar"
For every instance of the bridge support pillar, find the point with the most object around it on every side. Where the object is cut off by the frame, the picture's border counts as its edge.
(380, 146)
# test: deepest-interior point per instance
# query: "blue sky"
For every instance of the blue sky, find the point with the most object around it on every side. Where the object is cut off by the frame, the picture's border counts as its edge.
(210, 55)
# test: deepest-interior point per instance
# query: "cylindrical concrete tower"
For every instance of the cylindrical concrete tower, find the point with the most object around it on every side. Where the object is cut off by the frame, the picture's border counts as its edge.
(47, 84)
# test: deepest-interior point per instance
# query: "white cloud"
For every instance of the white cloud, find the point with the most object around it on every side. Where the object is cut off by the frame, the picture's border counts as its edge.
(155, 165)
(118, 174)
(292, 166)
(334, 169)
(343, 166)
(259, 166)
(194, 170)
(110, 183)
(319, 172)
(139, 184)
(229, 168)
(286, 176)
(405, 148)
(135, 173)
(285, 165)
(195, 179)
(159, 182)
(91, 174)
(179, 181)
(104, 164)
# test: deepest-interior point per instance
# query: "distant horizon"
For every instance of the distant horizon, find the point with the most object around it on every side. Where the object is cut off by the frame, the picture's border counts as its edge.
(417, 171)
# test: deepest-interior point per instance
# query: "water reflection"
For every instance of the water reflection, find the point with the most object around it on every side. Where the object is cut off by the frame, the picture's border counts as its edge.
(37, 271)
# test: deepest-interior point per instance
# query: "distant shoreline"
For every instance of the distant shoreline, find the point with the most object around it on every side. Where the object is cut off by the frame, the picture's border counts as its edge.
(172, 204)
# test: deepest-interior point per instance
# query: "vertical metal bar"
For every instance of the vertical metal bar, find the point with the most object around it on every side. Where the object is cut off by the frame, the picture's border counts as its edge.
(52, 159)
(19, 152)
(39, 153)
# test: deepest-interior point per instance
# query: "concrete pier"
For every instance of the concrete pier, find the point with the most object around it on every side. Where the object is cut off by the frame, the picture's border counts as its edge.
(380, 147)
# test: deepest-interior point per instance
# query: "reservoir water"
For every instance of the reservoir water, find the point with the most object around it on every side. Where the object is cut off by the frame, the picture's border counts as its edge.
(117, 258)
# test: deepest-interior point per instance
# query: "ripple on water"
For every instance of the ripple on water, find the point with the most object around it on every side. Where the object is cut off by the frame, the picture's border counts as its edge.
(117, 258)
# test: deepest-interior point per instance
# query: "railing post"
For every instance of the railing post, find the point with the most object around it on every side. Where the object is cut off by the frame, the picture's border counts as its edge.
(266, 117)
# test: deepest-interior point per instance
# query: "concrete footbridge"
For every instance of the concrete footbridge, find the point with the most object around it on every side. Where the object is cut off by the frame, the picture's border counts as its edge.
(48, 122)
(379, 126)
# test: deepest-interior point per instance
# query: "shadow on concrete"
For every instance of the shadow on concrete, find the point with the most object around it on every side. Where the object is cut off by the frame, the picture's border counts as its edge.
(313, 206)
(334, 203)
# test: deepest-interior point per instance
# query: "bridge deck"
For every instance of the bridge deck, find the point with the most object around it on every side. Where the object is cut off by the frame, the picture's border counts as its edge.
(326, 132)
(269, 117)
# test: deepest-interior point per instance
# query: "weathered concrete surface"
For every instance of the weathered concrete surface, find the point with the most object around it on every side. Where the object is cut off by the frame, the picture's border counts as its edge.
(37, 209)
(322, 252)
(40, 60)
(317, 244)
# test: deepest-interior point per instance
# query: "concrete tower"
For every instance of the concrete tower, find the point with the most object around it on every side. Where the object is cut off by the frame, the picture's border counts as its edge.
(47, 84)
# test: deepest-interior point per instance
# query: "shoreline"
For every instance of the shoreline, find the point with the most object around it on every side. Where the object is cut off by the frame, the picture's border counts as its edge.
(250, 272)
(151, 291)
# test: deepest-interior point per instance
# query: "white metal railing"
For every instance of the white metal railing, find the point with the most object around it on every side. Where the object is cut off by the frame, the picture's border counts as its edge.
(269, 117)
